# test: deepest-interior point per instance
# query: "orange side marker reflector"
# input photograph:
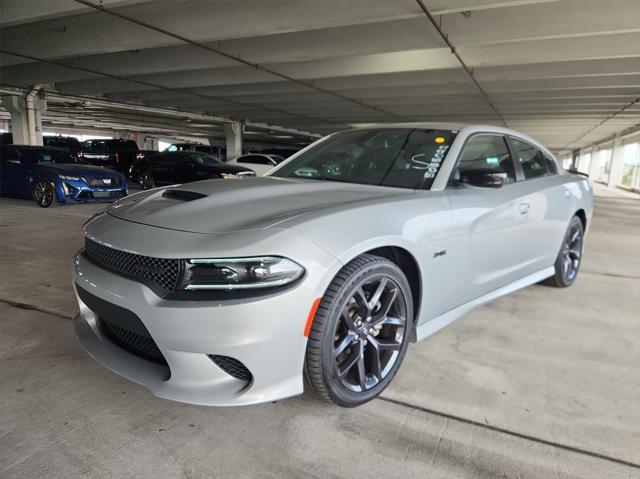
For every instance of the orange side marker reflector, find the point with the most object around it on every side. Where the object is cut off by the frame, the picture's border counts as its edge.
(312, 314)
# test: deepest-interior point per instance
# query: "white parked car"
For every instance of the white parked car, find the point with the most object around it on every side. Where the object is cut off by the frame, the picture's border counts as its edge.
(258, 162)
(231, 292)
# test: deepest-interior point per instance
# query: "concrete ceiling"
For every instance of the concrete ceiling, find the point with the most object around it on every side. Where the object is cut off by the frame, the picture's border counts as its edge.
(564, 71)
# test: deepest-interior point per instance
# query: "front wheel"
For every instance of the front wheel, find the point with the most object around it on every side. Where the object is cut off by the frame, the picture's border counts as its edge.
(44, 194)
(360, 333)
(569, 258)
(146, 180)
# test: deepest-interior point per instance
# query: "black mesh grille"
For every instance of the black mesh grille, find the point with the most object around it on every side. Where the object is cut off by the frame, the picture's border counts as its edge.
(159, 273)
(136, 343)
(100, 182)
(232, 366)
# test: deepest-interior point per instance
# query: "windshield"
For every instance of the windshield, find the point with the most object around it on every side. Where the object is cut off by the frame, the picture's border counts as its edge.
(400, 157)
(51, 156)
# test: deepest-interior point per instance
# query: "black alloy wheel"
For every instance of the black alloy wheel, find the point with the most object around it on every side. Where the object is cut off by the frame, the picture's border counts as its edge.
(360, 333)
(569, 259)
(43, 193)
(146, 180)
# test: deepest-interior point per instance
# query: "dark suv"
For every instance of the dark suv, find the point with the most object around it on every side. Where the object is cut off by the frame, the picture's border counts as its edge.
(69, 143)
(116, 154)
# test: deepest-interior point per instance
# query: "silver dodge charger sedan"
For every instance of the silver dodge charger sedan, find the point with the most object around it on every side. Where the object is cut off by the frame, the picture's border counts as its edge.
(230, 292)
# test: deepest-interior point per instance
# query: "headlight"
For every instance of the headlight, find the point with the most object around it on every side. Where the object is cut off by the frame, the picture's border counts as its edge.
(240, 273)
(72, 178)
(228, 176)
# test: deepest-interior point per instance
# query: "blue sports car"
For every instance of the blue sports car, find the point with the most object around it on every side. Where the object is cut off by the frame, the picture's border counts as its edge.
(52, 175)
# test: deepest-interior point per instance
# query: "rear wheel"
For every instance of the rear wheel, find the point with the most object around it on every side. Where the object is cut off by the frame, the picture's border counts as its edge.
(360, 333)
(569, 259)
(146, 180)
(44, 194)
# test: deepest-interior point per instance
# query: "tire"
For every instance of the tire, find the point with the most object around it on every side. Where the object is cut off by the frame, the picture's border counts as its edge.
(569, 258)
(347, 328)
(44, 193)
(146, 180)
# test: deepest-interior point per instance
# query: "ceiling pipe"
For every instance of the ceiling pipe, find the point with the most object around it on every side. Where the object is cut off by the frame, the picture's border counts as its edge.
(455, 53)
(31, 114)
(166, 88)
(56, 97)
(237, 58)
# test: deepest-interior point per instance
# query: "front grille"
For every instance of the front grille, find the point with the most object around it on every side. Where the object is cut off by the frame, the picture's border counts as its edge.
(141, 345)
(232, 366)
(99, 182)
(159, 274)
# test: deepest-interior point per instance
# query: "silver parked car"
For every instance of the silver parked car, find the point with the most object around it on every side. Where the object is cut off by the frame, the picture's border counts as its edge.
(261, 163)
(323, 271)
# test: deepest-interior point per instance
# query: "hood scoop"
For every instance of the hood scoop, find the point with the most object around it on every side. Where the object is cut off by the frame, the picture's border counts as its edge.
(183, 195)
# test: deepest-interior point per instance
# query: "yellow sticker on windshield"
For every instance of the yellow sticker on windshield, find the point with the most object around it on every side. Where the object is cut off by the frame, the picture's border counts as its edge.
(440, 139)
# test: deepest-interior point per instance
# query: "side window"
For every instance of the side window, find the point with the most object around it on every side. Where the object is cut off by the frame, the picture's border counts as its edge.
(10, 155)
(487, 153)
(172, 148)
(532, 160)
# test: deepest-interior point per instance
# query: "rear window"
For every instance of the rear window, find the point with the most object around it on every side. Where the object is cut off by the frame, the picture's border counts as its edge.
(120, 145)
(61, 142)
(254, 160)
(110, 145)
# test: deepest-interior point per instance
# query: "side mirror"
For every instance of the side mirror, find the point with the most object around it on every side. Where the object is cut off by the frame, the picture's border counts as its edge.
(484, 178)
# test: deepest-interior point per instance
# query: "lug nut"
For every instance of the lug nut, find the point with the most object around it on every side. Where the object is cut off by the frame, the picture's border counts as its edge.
(359, 323)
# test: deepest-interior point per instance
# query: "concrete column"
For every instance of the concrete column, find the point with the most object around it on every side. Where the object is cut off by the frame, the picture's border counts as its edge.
(575, 156)
(594, 165)
(233, 132)
(19, 127)
(617, 163)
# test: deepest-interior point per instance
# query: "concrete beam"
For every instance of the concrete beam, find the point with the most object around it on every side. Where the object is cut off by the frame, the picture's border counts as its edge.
(19, 126)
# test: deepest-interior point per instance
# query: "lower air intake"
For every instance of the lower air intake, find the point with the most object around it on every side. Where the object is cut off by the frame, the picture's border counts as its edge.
(232, 367)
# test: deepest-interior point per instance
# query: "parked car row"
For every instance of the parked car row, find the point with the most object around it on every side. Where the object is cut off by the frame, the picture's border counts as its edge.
(171, 167)
(67, 170)
(52, 176)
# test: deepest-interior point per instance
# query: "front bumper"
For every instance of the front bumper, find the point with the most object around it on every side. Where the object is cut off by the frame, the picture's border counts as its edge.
(265, 334)
(72, 190)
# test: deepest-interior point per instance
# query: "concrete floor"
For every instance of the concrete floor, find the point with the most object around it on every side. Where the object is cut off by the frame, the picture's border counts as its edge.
(543, 383)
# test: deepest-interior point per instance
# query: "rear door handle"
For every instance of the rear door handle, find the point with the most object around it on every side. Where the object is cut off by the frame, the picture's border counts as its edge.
(524, 208)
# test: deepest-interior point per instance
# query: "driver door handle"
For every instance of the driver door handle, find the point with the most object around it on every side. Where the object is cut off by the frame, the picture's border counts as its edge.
(524, 208)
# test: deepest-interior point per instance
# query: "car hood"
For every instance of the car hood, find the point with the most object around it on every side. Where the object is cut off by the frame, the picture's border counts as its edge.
(222, 206)
(84, 171)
